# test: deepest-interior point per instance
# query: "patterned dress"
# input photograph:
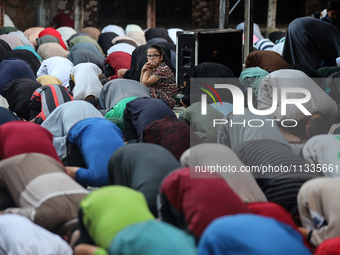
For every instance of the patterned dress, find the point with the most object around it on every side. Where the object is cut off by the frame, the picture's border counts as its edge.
(165, 88)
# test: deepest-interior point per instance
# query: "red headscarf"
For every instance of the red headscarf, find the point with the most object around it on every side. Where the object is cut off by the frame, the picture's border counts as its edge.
(63, 20)
(329, 247)
(118, 60)
(172, 134)
(53, 32)
(19, 137)
(276, 211)
(197, 201)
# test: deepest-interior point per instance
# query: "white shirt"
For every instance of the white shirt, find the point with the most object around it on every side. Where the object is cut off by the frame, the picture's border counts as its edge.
(18, 235)
(172, 32)
(86, 79)
(66, 33)
(59, 67)
(113, 28)
(124, 47)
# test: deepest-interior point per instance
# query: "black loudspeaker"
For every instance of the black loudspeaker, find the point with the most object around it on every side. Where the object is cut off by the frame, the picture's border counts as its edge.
(222, 46)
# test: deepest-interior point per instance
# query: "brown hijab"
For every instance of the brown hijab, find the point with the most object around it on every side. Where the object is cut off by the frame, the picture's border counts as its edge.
(267, 60)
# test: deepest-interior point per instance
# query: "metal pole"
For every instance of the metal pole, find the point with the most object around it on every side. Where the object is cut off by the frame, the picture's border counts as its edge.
(223, 19)
(44, 14)
(271, 18)
(78, 15)
(248, 28)
(235, 5)
(151, 14)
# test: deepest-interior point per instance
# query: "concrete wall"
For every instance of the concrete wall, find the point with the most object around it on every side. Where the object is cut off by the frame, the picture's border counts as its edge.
(23, 13)
(201, 12)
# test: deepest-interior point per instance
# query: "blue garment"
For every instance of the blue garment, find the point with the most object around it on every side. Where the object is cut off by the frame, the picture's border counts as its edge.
(141, 112)
(152, 238)
(30, 48)
(11, 69)
(334, 22)
(97, 139)
(250, 234)
(7, 115)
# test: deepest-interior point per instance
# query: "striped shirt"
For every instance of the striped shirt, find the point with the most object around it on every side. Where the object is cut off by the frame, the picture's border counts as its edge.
(285, 171)
(264, 44)
(45, 99)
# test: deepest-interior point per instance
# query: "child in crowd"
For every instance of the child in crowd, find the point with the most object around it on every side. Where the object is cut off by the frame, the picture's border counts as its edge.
(158, 77)
(333, 12)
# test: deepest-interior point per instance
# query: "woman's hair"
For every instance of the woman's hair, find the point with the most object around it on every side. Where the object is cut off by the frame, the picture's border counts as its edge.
(157, 47)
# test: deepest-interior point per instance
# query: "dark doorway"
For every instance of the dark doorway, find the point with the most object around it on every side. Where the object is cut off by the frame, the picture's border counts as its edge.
(123, 12)
(287, 11)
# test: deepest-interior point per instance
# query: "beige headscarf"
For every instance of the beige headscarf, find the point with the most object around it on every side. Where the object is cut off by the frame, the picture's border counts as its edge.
(138, 36)
(93, 32)
(32, 34)
(212, 154)
(12, 40)
(48, 79)
(48, 50)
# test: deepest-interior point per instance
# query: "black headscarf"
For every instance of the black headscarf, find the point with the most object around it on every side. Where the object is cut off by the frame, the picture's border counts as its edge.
(4, 49)
(27, 56)
(157, 32)
(141, 112)
(5, 45)
(142, 167)
(18, 94)
(105, 40)
(211, 70)
(309, 41)
(305, 69)
(138, 59)
(11, 69)
(276, 35)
